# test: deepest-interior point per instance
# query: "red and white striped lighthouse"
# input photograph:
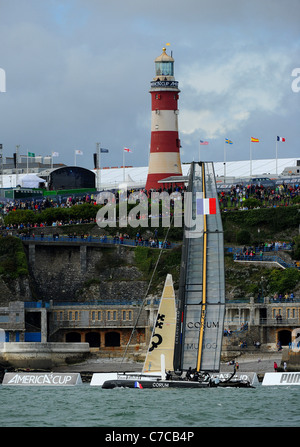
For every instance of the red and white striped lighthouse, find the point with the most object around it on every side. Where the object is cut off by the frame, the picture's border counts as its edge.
(164, 158)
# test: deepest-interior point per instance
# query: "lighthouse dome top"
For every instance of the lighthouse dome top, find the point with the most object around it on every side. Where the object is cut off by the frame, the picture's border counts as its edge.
(164, 65)
(164, 57)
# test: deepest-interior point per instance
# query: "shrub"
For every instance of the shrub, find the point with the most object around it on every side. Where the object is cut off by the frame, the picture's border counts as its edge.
(243, 237)
(296, 248)
(13, 262)
(282, 281)
(252, 203)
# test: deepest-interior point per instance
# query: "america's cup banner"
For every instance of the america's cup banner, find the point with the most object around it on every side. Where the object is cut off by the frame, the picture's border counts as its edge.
(42, 379)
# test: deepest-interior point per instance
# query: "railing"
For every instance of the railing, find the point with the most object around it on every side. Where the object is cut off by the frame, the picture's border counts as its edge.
(99, 240)
(76, 324)
(279, 321)
(59, 304)
(262, 258)
(264, 249)
(36, 305)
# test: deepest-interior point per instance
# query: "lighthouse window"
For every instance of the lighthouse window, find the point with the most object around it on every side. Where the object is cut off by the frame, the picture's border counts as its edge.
(164, 68)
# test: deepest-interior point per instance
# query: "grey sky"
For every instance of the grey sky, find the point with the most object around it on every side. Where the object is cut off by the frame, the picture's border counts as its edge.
(79, 72)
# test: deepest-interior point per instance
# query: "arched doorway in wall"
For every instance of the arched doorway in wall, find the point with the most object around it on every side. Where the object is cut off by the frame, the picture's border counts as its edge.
(112, 339)
(93, 338)
(284, 337)
(73, 337)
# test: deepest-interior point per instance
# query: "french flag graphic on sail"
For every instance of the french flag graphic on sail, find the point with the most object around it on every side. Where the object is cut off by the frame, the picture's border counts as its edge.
(206, 206)
(137, 385)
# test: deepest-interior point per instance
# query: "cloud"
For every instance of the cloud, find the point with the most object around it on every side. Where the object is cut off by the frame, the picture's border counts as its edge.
(228, 94)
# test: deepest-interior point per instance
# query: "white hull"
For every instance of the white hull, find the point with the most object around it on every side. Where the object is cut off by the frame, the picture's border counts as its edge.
(99, 378)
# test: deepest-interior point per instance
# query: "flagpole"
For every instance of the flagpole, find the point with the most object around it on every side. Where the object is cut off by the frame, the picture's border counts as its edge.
(250, 159)
(75, 159)
(276, 156)
(123, 165)
(224, 162)
(199, 151)
(17, 167)
(99, 165)
(27, 162)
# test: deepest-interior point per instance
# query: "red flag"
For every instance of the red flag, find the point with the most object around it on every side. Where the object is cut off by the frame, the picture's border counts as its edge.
(127, 150)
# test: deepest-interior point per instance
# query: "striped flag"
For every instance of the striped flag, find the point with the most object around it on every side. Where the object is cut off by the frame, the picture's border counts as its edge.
(206, 206)
(280, 139)
(204, 143)
(137, 385)
(254, 140)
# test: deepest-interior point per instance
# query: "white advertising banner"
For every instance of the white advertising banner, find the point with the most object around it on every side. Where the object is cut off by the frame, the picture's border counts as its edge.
(42, 379)
(284, 378)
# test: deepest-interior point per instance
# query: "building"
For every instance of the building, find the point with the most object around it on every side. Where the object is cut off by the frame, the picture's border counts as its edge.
(71, 177)
(164, 160)
(270, 322)
(108, 328)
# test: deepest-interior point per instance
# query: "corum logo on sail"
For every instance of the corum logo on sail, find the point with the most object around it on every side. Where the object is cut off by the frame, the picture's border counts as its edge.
(199, 324)
(194, 346)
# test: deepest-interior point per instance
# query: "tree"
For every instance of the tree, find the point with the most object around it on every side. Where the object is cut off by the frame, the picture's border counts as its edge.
(284, 281)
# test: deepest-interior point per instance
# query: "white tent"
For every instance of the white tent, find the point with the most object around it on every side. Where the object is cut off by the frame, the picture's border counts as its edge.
(31, 181)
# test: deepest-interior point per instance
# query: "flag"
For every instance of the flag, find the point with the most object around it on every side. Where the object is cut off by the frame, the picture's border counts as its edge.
(137, 385)
(127, 150)
(206, 206)
(102, 150)
(254, 140)
(55, 154)
(228, 141)
(31, 154)
(78, 152)
(203, 142)
(280, 139)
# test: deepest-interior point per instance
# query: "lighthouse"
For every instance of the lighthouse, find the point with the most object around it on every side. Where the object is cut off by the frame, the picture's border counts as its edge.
(164, 160)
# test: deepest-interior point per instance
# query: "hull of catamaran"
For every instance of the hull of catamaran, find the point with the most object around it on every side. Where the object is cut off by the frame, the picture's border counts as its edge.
(172, 384)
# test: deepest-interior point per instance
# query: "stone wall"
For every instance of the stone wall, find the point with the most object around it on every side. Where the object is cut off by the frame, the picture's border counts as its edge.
(82, 272)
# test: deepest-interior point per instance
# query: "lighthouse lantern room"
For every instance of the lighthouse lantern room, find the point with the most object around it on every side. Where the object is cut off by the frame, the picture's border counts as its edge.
(164, 160)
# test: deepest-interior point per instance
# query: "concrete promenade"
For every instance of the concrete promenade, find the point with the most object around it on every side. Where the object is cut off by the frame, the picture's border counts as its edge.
(259, 363)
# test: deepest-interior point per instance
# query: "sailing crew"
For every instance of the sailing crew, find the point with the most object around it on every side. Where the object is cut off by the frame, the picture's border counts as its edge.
(168, 375)
(188, 375)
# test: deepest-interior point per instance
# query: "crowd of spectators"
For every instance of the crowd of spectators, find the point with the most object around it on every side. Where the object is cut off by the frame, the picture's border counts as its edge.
(229, 199)
(268, 196)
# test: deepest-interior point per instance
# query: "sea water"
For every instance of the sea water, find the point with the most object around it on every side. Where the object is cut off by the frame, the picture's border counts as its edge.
(87, 406)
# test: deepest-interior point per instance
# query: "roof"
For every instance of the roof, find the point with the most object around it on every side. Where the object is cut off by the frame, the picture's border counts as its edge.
(137, 176)
(234, 169)
(164, 57)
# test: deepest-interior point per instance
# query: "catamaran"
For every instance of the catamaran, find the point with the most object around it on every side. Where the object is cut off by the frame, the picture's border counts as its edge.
(185, 348)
